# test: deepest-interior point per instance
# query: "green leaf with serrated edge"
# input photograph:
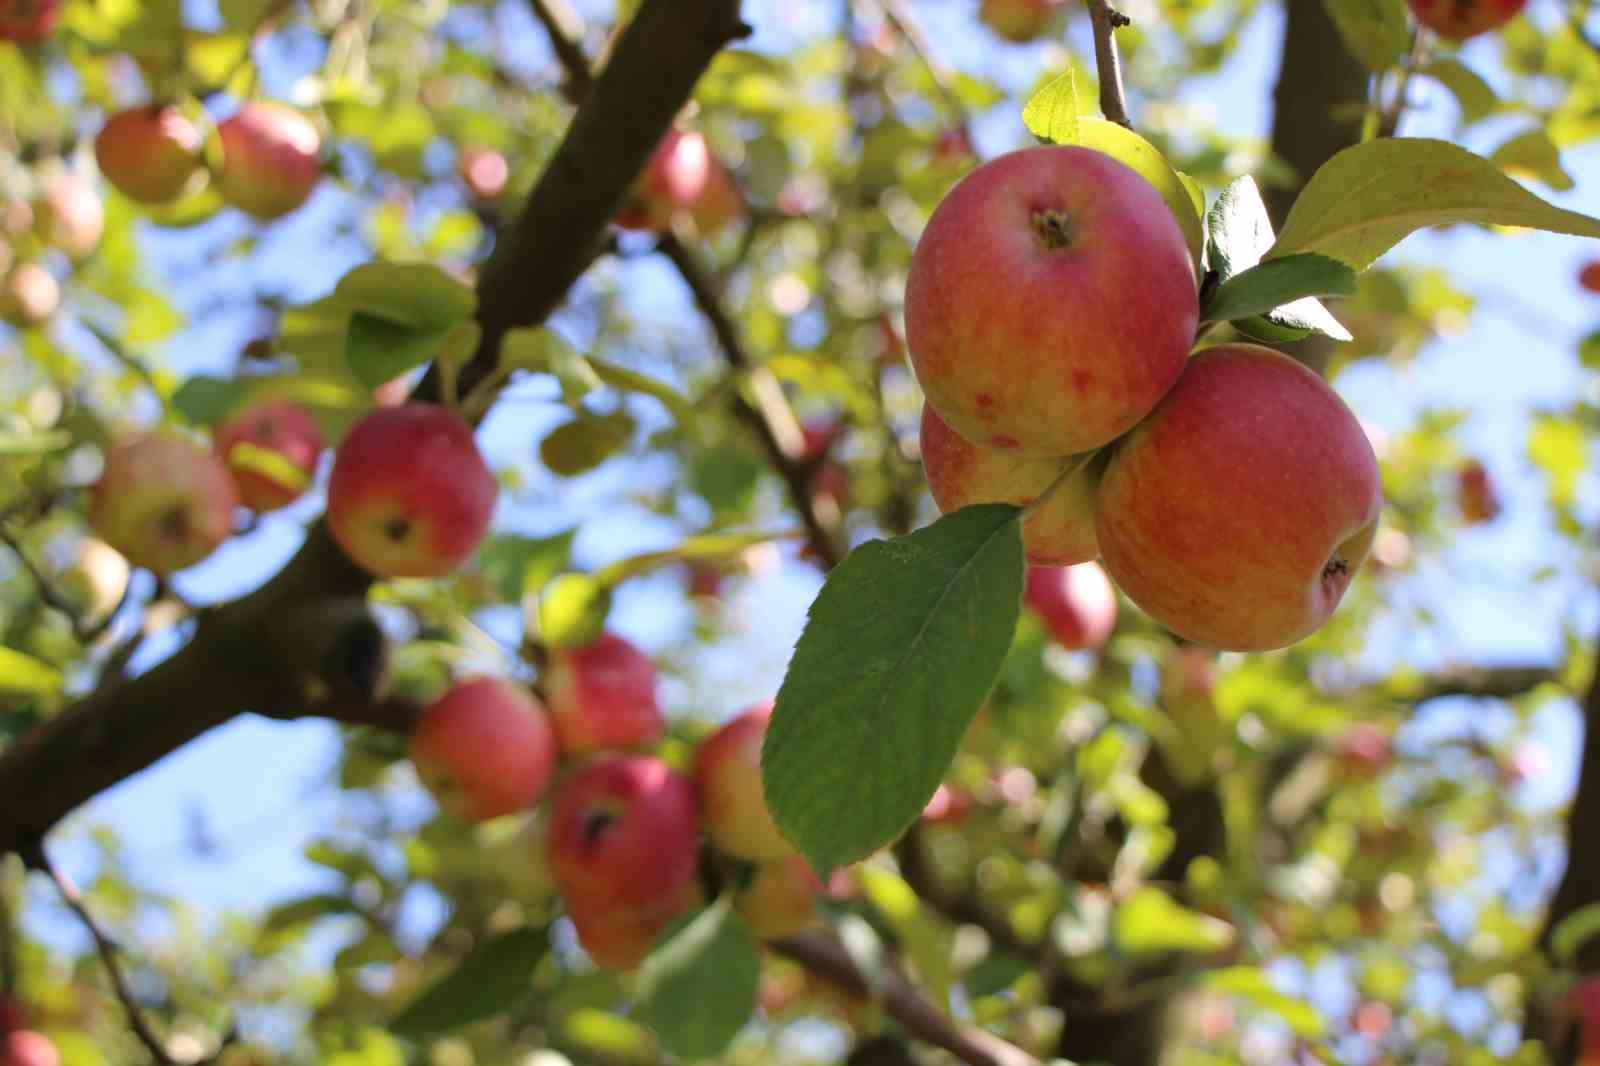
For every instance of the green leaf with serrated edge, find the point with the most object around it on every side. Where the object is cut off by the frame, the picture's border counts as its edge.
(1573, 932)
(1238, 233)
(1051, 114)
(1532, 154)
(378, 349)
(1366, 199)
(407, 294)
(1277, 282)
(899, 650)
(494, 976)
(1150, 922)
(698, 987)
(572, 610)
(1474, 96)
(1375, 31)
(24, 675)
(203, 400)
(515, 565)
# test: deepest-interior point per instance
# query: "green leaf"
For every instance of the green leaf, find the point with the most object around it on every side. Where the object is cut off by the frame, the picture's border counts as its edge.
(492, 978)
(19, 442)
(301, 911)
(1051, 114)
(1573, 932)
(1150, 922)
(1533, 155)
(203, 401)
(698, 987)
(24, 675)
(544, 351)
(1589, 351)
(254, 459)
(1253, 984)
(1270, 285)
(515, 565)
(1473, 95)
(701, 547)
(579, 446)
(407, 294)
(900, 648)
(1239, 233)
(378, 349)
(572, 610)
(1366, 199)
(1375, 31)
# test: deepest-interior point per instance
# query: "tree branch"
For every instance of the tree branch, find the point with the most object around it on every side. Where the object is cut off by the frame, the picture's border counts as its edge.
(1106, 20)
(565, 31)
(905, 23)
(1580, 884)
(825, 956)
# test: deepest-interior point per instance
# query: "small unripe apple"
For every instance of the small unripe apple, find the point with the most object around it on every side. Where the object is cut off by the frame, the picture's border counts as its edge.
(1589, 276)
(484, 171)
(484, 749)
(720, 204)
(97, 579)
(673, 180)
(24, 1047)
(1050, 302)
(409, 494)
(149, 154)
(1020, 21)
(727, 776)
(1077, 604)
(69, 215)
(29, 296)
(1475, 493)
(163, 500)
(624, 846)
(28, 21)
(780, 898)
(271, 448)
(269, 159)
(1059, 532)
(602, 695)
(1238, 512)
(1460, 19)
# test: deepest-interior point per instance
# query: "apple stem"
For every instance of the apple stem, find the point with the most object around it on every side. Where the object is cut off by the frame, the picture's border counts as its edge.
(1068, 472)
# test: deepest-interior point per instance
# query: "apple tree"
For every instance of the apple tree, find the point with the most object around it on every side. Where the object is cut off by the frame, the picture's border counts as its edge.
(876, 532)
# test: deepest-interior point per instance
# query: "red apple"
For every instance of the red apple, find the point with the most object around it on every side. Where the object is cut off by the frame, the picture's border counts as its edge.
(1589, 276)
(953, 147)
(1237, 513)
(24, 1047)
(672, 181)
(948, 806)
(727, 776)
(269, 159)
(1460, 19)
(720, 204)
(1475, 493)
(484, 171)
(1077, 604)
(484, 749)
(780, 898)
(1060, 532)
(28, 21)
(69, 215)
(602, 695)
(1363, 750)
(410, 495)
(271, 448)
(163, 500)
(29, 296)
(1050, 302)
(624, 846)
(1020, 21)
(150, 154)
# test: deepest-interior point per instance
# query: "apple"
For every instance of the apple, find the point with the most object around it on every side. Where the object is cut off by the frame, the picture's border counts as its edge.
(1238, 512)
(97, 579)
(1460, 19)
(149, 154)
(28, 21)
(484, 749)
(602, 695)
(672, 181)
(1589, 276)
(69, 215)
(24, 1047)
(269, 159)
(1363, 750)
(409, 494)
(29, 296)
(623, 847)
(1077, 604)
(948, 806)
(163, 501)
(1020, 21)
(1050, 302)
(1059, 533)
(780, 898)
(720, 204)
(953, 147)
(727, 777)
(828, 479)
(1475, 493)
(484, 171)
(271, 448)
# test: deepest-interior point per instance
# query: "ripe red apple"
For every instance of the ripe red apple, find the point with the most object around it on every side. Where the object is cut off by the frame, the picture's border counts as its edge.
(948, 806)
(271, 448)
(780, 898)
(602, 695)
(720, 204)
(24, 1047)
(29, 296)
(1237, 513)
(1460, 19)
(1475, 493)
(162, 500)
(953, 147)
(672, 181)
(1077, 604)
(1050, 302)
(484, 749)
(624, 850)
(150, 153)
(1589, 276)
(269, 159)
(1020, 21)
(484, 171)
(69, 215)
(727, 776)
(28, 21)
(1059, 533)
(410, 495)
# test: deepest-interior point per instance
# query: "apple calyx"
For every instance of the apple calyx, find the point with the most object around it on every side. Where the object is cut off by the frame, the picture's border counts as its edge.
(1054, 228)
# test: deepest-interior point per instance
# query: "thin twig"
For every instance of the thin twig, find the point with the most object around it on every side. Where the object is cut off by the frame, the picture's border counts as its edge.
(905, 23)
(35, 857)
(48, 594)
(566, 30)
(1389, 121)
(1106, 21)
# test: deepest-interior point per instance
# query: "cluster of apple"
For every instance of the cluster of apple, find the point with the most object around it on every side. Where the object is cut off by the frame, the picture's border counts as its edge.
(1051, 308)
(65, 216)
(623, 841)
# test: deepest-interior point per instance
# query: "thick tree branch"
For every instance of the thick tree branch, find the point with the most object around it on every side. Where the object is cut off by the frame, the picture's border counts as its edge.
(1106, 20)
(1580, 884)
(826, 957)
